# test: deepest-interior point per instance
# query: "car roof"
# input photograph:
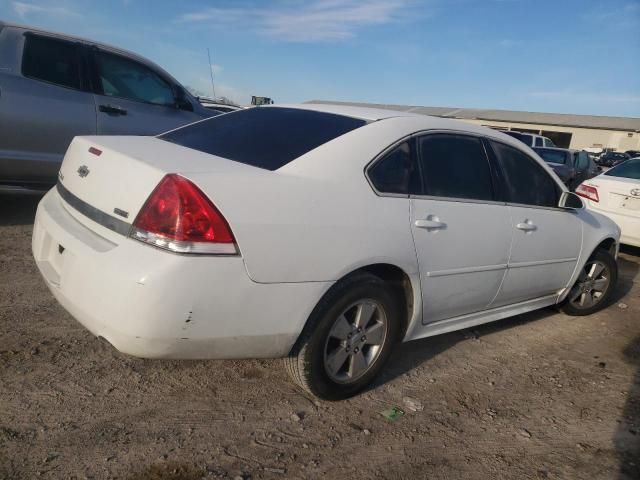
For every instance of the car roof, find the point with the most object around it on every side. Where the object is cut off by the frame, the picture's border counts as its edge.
(414, 122)
(363, 113)
(106, 46)
(559, 149)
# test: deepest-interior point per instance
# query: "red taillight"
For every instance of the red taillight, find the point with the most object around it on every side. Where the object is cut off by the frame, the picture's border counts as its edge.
(179, 217)
(587, 191)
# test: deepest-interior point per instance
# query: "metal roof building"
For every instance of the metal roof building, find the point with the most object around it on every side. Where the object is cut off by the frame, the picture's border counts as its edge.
(566, 130)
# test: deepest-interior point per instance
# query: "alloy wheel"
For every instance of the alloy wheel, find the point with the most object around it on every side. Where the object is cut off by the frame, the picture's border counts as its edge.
(355, 341)
(592, 284)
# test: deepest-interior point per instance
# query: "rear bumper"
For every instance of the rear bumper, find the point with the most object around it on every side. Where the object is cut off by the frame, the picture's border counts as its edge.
(154, 304)
(629, 226)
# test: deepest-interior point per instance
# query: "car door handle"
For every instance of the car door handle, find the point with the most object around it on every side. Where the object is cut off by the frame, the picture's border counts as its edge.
(526, 226)
(430, 224)
(112, 110)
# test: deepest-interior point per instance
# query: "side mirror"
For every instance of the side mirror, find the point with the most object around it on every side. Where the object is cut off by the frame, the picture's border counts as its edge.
(570, 201)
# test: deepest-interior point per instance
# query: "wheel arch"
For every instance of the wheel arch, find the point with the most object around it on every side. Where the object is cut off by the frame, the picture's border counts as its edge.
(405, 287)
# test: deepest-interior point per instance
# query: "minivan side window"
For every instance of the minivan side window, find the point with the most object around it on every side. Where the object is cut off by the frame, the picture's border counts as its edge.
(396, 172)
(51, 60)
(455, 166)
(525, 181)
(124, 78)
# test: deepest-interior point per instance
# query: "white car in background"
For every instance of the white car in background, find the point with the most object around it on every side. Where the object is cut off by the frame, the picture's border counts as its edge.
(323, 234)
(616, 194)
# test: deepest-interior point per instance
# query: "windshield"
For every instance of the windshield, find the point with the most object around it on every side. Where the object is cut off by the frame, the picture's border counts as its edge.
(628, 169)
(552, 156)
(264, 137)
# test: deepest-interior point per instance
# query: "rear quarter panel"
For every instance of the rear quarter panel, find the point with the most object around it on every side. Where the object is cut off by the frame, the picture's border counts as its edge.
(317, 219)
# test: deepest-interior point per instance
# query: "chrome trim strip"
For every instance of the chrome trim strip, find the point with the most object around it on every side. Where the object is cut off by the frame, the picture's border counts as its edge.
(91, 212)
(458, 271)
(542, 262)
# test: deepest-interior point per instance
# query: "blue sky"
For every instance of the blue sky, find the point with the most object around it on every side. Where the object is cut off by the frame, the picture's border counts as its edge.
(568, 56)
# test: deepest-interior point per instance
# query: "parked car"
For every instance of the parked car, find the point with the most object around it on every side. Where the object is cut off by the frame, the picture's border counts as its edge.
(323, 234)
(616, 194)
(611, 159)
(531, 139)
(572, 166)
(633, 153)
(54, 87)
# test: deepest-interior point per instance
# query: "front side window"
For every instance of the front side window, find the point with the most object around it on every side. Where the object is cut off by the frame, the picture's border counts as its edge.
(525, 181)
(455, 166)
(51, 60)
(124, 78)
(396, 172)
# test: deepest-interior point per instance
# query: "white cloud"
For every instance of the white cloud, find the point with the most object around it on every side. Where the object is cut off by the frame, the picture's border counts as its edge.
(24, 10)
(311, 21)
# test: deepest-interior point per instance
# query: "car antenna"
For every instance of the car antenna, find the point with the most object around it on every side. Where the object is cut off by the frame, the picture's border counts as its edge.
(213, 88)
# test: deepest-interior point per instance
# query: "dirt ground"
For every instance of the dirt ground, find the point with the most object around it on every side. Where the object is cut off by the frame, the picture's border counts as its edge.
(541, 395)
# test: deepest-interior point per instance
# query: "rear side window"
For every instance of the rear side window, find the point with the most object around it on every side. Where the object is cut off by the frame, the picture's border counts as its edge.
(265, 137)
(50, 60)
(539, 142)
(396, 172)
(525, 181)
(455, 166)
(121, 77)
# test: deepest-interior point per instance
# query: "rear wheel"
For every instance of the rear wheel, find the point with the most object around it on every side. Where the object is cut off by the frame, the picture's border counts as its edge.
(348, 338)
(594, 287)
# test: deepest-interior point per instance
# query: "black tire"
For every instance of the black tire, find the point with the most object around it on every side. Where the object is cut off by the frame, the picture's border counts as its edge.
(611, 270)
(306, 362)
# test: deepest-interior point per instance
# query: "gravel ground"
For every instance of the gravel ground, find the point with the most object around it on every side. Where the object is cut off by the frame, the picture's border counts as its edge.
(540, 395)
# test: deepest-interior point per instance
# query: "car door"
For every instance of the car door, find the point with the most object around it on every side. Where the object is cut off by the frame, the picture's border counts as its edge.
(44, 103)
(461, 233)
(546, 239)
(133, 99)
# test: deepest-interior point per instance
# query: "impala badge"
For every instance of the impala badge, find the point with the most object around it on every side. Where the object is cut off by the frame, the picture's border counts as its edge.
(635, 192)
(83, 171)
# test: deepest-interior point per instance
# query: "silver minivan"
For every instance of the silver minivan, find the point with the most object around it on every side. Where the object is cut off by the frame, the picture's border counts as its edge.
(54, 87)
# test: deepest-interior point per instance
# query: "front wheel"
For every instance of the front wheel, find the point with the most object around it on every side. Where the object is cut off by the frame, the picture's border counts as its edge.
(594, 287)
(348, 338)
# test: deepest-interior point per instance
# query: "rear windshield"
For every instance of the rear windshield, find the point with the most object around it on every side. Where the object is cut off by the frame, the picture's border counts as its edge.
(552, 156)
(265, 137)
(628, 169)
(523, 137)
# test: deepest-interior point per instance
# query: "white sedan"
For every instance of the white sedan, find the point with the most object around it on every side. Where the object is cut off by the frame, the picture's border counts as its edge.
(616, 194)
(323, 234)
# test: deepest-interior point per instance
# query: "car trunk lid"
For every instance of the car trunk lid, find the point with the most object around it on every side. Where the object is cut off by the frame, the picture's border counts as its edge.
(615, 194)
(107, 180)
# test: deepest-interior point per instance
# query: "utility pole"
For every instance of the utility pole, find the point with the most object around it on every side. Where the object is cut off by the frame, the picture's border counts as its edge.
(213, 88)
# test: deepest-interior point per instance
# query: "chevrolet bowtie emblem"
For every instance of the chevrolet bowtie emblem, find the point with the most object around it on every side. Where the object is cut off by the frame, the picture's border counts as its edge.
(83, 171)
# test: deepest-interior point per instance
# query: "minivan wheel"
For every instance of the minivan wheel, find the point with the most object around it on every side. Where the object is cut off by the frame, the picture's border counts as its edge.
(347, 339)
(594, 287)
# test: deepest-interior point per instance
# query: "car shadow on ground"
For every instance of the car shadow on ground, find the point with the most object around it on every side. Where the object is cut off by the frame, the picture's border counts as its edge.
(408, 356)
(627, 436)
(18, 209)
